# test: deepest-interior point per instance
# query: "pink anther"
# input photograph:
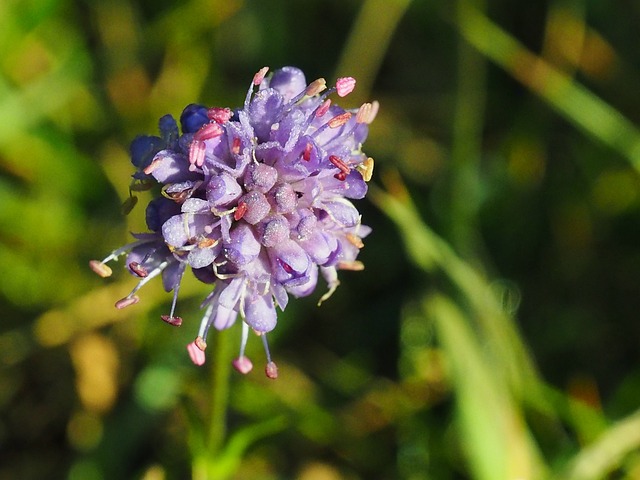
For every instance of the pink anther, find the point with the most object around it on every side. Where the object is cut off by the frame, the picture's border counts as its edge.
(196, 153)
(306, 154)
(259, 76)
(235, 146)
(242, 364)
(197, 355)
(271, 370)
(219, 115)
(337, 161)
(175, 321)
(127, 301)
(240, 211)
(324, 108)
(138, 269)
(208, 131)
(345, 85)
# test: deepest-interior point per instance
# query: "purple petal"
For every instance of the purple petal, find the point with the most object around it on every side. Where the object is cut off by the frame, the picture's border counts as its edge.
(342, 212)
(320, 246)
(171, 167)
(353, 186)
(288, 81)
(201, 257)
(289, 262)
(308, 286)
(225, 317)
(222, 190)
(195, 205)
(171, 276)
(280, 295)
(260, 312)
(243, 247)
(174, 231)
(264, 111)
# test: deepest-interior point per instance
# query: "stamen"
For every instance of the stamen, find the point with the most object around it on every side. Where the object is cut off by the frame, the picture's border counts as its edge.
(100, 268)
(337, 161)
(153, 165)
(355, 240)
(324, 108)
(171, 319)
(175, 321)
(208, 131)
(271, 369)
(366, 169)
(242, 364)
(364, 113)
(306, 154)
(138, 269)
(257, 80)
(200, 343)
(127, 301)
(205, 323)
(339, 120)
(196, 154)
(258, 77)
(172, 191)
(375, 106)
(354, 266)
(240, 211)
(197, 354)
(340, 176)
(207, 242)
(345, 85)
(219, 115)
(132, 298)
(235, 147)
(316, 87)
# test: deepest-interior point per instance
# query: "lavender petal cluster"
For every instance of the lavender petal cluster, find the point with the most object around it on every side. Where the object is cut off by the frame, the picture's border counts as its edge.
(257, 201)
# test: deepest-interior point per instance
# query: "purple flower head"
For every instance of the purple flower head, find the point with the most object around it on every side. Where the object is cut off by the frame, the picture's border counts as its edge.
(256, 201)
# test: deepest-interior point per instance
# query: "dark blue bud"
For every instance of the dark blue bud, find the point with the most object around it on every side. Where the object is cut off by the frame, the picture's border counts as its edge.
(193, 117)
(143, 148)
(159, 210)
(169, 129)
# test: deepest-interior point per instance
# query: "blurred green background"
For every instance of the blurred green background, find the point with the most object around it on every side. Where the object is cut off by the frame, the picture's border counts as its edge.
(494, 333)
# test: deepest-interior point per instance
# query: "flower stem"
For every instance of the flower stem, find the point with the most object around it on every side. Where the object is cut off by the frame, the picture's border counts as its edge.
(220, 374)
(206, 463)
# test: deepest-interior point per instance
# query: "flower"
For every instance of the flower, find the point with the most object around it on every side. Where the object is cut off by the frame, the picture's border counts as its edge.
(255, 200)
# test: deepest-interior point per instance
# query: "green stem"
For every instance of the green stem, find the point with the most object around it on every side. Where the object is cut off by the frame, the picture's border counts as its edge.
(220, 373)
(205, 461)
